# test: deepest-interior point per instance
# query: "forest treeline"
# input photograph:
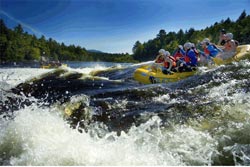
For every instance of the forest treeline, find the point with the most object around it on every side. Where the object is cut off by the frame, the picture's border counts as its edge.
(19, 46)
(169, 41)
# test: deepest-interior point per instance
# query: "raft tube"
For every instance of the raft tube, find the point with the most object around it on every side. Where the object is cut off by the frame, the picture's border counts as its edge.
(49, 66)
(242, 52)
(145, 75)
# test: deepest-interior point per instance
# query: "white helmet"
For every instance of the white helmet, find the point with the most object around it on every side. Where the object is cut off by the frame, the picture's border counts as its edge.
(205, 40)
(229, 35)
(162, 51)
(167, 53)
(187, 45)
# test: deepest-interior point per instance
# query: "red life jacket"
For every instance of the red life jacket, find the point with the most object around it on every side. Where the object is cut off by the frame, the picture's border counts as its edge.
(173, 60)
(187, 59)
(228, 45)
(166, 64)
(160, 60)
(178, 55)
(206, 51)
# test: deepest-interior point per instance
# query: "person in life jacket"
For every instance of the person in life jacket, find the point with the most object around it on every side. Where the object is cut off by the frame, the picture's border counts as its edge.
(179, 52)
(231, 44)
(179, 55)
(229, 48)
(222, 38)
(160, 58)
(210, 49)
(195, 50)
(190, 56)
(169, 63)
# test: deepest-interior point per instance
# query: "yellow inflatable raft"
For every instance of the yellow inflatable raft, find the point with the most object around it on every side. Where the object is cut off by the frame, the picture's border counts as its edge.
(48, 66)
(242, 52)
(145, 75)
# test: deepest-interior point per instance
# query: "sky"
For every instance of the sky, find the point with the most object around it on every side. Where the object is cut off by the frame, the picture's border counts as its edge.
(114, 26)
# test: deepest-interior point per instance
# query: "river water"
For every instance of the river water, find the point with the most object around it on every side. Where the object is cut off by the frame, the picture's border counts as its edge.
(97, 114)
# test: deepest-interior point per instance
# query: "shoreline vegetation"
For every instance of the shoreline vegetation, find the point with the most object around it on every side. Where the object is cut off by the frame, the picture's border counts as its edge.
(18, 46)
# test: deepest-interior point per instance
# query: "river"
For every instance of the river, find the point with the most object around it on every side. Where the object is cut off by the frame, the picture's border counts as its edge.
(95, 113)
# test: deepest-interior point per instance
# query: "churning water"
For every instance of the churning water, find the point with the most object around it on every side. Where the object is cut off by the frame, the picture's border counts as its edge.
(98, 115)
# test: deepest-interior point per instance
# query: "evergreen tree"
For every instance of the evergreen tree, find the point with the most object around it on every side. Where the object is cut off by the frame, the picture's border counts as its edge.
(3, 40)
(138, 50)
(162, 37)
(242, 16)
(18, 29)
(3, 28)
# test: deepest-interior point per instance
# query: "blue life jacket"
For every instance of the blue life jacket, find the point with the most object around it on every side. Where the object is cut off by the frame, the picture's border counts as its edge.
(192, 57)
(213, 50)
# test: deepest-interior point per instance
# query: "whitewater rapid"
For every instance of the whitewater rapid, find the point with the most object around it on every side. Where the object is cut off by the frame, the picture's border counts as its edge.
(40, 135)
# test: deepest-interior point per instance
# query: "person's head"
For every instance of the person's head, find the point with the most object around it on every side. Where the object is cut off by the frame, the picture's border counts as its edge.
(193, 45)
(205, 42)
(229, 36)
(223, 31)
(187, 45)
(167, 53)
(161, 51)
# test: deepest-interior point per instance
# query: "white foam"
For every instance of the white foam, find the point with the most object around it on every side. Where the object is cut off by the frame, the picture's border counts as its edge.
(15, 76)
(88, 70)
(40, 136)
(10, 77)
(226, 91)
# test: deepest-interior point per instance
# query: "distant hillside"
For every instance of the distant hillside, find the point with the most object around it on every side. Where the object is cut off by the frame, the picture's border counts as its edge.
(169, 41)
(94, 51)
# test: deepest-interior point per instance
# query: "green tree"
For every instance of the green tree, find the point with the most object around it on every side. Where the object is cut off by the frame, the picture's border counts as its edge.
(3, 40)
(138, 50)
(242, 16)
(162, 37)
(18, 29)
